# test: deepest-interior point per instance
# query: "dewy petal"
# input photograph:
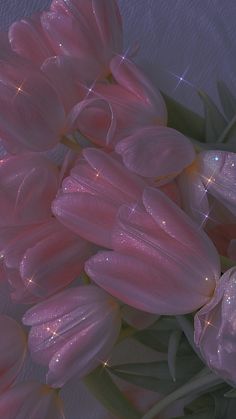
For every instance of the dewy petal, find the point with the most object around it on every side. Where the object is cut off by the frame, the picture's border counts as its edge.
(53, 263)
(194, 196)
(32, 116)
(100, 113)
(218, 172)
(27, 39)
(24, 200)
(115, 173)
(143, 286)
(68, 28)
(128, 75)
(67, 78)
(109, 24)
(31, 400)
(171, 219)
(68, 331)
(215, 328)
(77, 212)
(12, 351)
(156, 152)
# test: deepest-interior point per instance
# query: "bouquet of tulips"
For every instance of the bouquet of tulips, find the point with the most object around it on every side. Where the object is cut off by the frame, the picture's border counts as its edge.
(129, 237)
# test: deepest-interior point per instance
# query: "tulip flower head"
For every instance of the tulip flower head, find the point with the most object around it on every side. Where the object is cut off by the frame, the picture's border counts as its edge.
(162, 262)
(41, 259)
(98, 184)
(212, 175)
(215, 328)
(73, 332)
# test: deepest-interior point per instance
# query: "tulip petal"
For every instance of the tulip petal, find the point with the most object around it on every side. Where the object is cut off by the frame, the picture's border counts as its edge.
(27, 39)
(194, 196)
(156, 152)
(143, 286)
(89, 216)
(170, 218)
(129, 76)
(12, 351)
(218, 172)
(53, 263)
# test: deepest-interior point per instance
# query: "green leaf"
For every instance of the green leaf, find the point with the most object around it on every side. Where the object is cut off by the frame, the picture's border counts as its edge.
(215, 122)
(228, 100)
(206, 414)
(155, 376)
(104, 389)
(158, 340)
(166, 323)
(183, 119)
(200, 404)
(155, 339)
(231, 393)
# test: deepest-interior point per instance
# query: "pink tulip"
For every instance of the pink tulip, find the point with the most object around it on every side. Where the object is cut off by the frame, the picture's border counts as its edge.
(31, 400)
(96, 187)
(215, 328)
(31, 117)
(162, 262)
(156, 152)
(41, 259)
(27, 38)
(68, 79)
(212, 175)
(12, 351)
(73, 332)
(90, 31)
(134, 103)
(25, 199)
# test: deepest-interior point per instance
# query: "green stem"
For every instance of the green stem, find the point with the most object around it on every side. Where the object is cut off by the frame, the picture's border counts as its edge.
(70, 144)
(104, 389)
(225, 133)
(187, 328)
(197, 384)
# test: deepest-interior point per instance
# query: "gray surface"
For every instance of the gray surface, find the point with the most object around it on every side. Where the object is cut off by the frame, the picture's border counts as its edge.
(174, 36)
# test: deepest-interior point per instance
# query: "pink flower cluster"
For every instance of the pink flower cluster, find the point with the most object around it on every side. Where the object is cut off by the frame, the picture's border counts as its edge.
(129, 209)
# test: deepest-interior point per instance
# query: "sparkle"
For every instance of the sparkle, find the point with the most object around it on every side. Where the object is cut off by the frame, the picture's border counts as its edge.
(216, 158)
(90, 89)
(232, 165)
(163, 222)
(19, 90)
(181, 78)
(208, 323)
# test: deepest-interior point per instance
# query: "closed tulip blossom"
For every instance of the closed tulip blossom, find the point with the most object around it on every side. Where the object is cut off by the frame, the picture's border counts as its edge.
(215, 328)
(160, 153)
(134, 103)
(90, 31)
(31, 400)
(73, 332)
(209, 186)
(41, 259)
(162, 262)
(25, 200)
(28, 39)
(32, 116)
(98, 184)
(12, 351)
